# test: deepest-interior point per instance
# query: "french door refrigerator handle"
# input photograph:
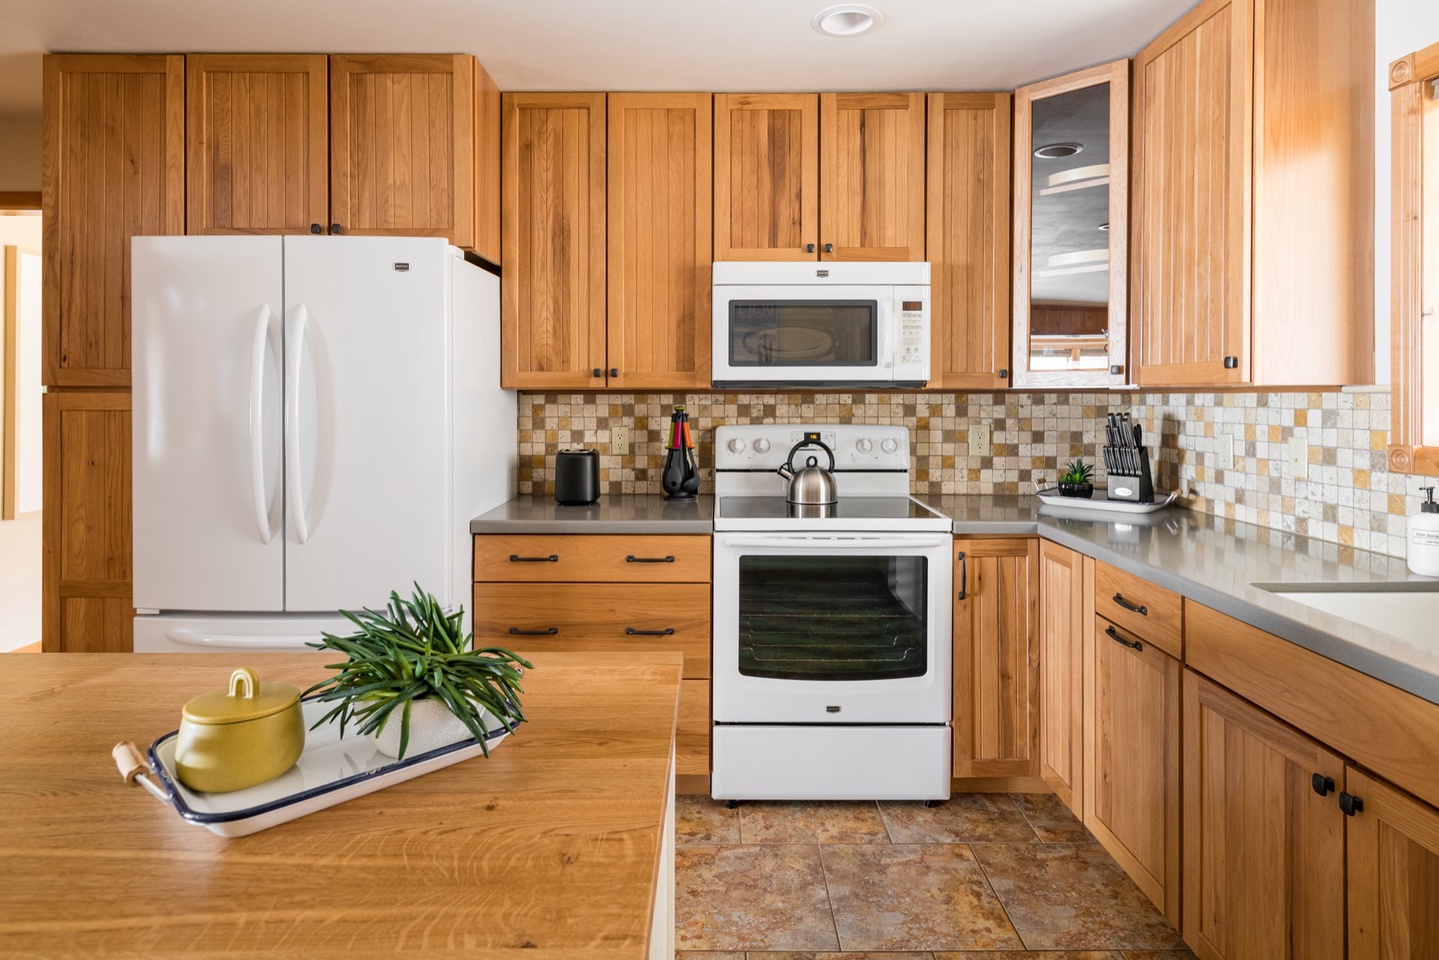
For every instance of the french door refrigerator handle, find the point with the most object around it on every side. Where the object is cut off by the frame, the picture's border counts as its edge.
(294, 492)
(257, 424)
(195, 638)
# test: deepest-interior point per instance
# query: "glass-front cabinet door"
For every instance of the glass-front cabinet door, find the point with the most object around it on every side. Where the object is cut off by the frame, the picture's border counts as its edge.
(1071, 210)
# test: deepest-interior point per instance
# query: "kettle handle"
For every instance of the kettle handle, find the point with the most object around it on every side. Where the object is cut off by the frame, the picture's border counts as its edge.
(808, 442)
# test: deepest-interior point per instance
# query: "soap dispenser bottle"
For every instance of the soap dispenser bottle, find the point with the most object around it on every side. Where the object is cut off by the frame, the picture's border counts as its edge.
(1423, 537)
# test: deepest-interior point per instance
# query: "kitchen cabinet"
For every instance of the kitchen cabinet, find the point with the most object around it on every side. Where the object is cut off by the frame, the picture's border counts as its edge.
(996, 659)
(1263, 834)
(834, 176)
(86, 538)
(1066, 604)
(554, 593)
(1393, 847)
(113, 147)
(1414, 283)
(1252, 185)
(257, 143)
(968, 226)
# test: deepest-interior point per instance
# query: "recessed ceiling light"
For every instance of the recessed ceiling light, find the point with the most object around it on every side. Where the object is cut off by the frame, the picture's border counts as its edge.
(846, 20)
(1056, 151)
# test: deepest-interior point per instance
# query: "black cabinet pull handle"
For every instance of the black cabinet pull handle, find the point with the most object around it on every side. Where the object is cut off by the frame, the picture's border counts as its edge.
(829, 248)
(1350, 804)
(963, 575)
(542, 632)
(1322, 785)
(552, 558)
(631, 558)
(632, 632)
(335, 229)
(809, 248)
(1141, 609)
(598, 372)
(1114, 635)
(316, 228)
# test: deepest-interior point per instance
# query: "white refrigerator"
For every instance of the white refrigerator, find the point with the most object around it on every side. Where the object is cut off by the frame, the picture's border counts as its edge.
(316, 421)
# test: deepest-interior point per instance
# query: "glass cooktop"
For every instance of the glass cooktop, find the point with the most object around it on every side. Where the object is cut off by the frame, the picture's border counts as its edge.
(885, 514)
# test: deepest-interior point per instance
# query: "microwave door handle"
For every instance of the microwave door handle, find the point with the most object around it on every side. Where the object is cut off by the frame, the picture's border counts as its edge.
(885, 319)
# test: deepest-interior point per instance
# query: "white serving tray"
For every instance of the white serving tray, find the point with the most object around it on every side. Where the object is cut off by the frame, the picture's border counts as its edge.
(331, 770)
(1050, 497)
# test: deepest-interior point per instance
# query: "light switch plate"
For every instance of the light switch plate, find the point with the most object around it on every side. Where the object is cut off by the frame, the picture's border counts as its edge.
(1296, 455)
(979, 440)
(1226, 451)
(620, 441)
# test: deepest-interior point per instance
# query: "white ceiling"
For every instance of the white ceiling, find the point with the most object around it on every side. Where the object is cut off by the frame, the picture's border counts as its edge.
(724, 45)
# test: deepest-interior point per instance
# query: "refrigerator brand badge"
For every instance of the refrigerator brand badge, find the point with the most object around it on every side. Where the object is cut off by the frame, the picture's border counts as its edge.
(821, 273)
(402, 267)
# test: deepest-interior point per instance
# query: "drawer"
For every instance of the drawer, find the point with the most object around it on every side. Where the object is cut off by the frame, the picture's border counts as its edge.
(597, 617)
(575, 558)
(1146, 611)
(692, 736)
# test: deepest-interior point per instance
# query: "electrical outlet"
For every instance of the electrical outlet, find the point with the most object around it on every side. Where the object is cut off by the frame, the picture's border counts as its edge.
(620, 441)
(1296, 455)
(1226, 451)
(979, 440)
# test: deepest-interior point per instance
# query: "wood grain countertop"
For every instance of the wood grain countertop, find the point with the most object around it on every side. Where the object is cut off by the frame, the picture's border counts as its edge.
(548, 848)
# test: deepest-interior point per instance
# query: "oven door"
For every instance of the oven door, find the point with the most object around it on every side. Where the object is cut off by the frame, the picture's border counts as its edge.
(832, 628)
(803, 334)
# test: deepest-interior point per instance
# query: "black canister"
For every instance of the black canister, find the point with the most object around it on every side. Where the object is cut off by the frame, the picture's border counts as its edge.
(577, 476)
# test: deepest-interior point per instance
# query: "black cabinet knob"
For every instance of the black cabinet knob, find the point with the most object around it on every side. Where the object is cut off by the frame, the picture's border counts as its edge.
(1116, 369)
(599, 372)
(614, 371)
(1004, 373)
(809, 248)
(829, 248)
(1231, 363)
(335, 229)
(1322, 785)
(1350, 804)
(316, 228)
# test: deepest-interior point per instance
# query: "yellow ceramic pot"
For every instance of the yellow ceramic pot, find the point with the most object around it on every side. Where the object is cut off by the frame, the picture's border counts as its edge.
(241, 737)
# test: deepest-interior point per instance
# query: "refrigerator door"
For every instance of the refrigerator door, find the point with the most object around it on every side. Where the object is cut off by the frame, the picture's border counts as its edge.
(367, 420)
(206, 435)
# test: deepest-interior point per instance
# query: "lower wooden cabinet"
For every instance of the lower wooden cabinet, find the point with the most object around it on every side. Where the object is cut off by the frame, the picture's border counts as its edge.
(1063, 627)
(1263, 834)
(1393, 872)
(996, 658)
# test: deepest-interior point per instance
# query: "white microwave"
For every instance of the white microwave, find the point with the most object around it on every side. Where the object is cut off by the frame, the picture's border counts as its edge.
(821, 324)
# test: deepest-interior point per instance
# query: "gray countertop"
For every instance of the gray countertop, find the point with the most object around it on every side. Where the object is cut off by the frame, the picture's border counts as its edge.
(1208, 559)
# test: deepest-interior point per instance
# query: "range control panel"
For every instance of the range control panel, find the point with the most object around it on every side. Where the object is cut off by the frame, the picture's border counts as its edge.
(856, 446)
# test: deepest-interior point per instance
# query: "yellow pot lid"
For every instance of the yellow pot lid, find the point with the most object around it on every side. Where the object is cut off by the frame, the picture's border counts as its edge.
(246, 699)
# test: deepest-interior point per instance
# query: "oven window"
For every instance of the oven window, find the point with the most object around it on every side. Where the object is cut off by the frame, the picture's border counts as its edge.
(832, 618)
(803, 333)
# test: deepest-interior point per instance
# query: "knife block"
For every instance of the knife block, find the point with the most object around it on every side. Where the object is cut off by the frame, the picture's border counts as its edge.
(1133, 487)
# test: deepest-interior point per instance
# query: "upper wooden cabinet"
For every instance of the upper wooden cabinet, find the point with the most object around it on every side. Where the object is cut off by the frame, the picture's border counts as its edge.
(968, 225)
(113, 168)
(835, 176)
(1414, 274)
(257, 143)
(1253, 230)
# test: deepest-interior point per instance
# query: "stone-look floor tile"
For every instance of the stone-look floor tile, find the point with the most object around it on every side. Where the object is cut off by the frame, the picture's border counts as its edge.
(813, 822)
(913, 896)
(1026, 955)
(964, 818)
(1183, 954)
(709, 955)
(751, 897)
(1051, 819)
(702, 820)
(846, 955)
(1072, 896)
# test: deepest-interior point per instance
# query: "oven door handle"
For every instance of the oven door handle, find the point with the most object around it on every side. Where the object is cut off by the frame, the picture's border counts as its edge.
(878, 542)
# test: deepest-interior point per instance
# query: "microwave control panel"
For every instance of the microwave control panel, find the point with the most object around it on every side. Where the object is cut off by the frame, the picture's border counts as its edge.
(911, 356)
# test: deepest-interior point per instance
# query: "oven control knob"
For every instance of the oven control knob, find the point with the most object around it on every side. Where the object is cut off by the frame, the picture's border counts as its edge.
(890, 445)
(736, 445)
(864, 445)
(761, 445)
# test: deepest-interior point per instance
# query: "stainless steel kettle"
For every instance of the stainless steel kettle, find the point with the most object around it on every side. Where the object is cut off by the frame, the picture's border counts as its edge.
(812, 483)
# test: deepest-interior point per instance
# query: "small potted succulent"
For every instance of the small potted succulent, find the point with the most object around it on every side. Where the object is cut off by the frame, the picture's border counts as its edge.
(1075, 480)
(413, 684)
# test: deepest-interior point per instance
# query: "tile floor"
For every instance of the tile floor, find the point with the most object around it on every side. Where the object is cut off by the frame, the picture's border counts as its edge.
(981, 873)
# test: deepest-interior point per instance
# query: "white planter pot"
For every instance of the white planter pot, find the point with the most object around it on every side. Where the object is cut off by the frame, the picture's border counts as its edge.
(432, 726)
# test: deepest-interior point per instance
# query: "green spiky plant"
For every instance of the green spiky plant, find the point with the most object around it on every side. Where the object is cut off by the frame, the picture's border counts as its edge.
(411, 651)
(1077, 472)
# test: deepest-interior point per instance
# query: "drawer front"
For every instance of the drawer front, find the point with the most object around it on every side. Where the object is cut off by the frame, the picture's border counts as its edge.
(1150, 612)
(564, 558)
(692, 738)
(541, 617)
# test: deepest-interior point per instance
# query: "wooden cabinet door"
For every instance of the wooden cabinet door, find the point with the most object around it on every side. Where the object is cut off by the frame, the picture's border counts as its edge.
(1393, 873)
(658, 331)
(996, 658)
(86, 564)
(553, 299)
(1063, 627)
(114, 168)
(402, 149)
(968, 225)
(871, 176)
(1263, 851)
(1193, 105)
(1131, 770)
(257, 143)
(766, 176)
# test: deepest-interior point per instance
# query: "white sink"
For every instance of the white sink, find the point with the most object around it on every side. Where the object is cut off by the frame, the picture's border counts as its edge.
(1407, 609)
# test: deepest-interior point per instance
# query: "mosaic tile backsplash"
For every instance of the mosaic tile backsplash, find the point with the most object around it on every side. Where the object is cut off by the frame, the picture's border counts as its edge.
(1346, 494)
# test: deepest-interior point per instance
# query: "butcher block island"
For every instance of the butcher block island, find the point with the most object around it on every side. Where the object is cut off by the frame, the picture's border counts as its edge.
(560, 844)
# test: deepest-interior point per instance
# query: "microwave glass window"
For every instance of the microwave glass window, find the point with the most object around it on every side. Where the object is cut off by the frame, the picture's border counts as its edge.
(803, 333)
(833, 618)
